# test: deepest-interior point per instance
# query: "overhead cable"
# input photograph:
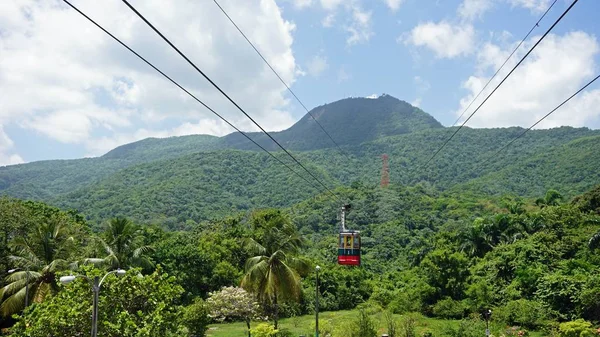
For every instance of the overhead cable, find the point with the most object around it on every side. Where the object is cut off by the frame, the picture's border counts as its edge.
(281, 79)
(500, 84)
(227, 96)
(189, 93)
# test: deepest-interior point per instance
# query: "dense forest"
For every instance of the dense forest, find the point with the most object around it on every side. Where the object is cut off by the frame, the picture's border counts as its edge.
(208, 229)
(197, 178)
(533, 261)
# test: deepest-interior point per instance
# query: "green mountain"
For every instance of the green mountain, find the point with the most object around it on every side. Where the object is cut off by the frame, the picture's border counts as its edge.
(173, 180)
(350, 122)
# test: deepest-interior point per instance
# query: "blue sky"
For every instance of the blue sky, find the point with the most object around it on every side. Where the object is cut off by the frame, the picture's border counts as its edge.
(68, 91)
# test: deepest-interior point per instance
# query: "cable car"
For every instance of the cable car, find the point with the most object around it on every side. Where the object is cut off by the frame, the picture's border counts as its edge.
(348, 243)
(349, 248)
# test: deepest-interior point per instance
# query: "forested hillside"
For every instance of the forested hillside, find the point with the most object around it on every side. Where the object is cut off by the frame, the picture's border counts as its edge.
(194, 178)
(533, 261)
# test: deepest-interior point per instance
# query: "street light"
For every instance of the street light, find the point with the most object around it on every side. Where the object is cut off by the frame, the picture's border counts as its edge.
(96, 284)
(26, 283)
(487, 314)
(317, 268)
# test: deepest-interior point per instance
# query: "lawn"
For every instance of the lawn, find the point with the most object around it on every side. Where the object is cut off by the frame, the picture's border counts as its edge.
(304, 325)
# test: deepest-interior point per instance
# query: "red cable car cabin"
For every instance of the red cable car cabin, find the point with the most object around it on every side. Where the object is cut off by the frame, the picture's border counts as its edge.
(349, 248)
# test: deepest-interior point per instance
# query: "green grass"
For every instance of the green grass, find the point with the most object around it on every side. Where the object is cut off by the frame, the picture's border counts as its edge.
(305, 325)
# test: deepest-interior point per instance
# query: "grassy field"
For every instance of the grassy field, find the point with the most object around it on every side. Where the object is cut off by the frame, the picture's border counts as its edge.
(305, 325)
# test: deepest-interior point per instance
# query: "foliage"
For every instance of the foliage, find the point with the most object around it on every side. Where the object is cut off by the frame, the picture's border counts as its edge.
(264, 330)
(45, 251)
(392, 325)
(449, 308)
(522, 312)
(363, 326)
(577, 328)
(273, 271)
(467, 328)
(121, 241)
(196, 318)
(407, 326)
(180, 180)
(132, 305)
(233, 303)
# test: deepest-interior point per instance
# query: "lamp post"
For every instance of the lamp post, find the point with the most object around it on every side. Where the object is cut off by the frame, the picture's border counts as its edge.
(317, 268)
(96, 283)
(487, 314)
(26, 283)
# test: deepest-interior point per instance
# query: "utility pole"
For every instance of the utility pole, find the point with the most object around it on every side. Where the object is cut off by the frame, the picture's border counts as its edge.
(317, 268)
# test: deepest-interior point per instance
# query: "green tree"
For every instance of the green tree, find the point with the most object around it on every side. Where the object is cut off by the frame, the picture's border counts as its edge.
(233, 303)
(196, 318)
(128, 306)
(273, 271)
(122, 241)
(552, 198)
(45, 252)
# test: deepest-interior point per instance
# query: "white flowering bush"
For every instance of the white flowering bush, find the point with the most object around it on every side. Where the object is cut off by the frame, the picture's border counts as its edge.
(233, 304)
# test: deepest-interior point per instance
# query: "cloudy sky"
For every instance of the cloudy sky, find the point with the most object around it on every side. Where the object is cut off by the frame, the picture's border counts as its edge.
(67, 90)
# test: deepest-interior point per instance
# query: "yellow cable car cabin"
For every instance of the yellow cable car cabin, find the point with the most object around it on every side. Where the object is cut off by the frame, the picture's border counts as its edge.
(349, 248)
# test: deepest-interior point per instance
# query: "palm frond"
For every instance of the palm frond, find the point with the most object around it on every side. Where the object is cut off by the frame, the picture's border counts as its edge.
(142, 251)
(254, 247)
(13, 304)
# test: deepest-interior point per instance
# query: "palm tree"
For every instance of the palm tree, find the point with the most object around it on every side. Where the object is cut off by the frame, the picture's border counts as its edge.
(44, 253)
(273, 272)
(552, 198)
(122, 242)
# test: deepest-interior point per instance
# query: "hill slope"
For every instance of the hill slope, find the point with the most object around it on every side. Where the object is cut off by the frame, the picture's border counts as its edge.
(350, 122)
(201, 177)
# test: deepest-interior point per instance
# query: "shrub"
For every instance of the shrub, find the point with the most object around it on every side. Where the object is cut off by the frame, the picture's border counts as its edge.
(263, 330)
(404, 303)
(449, 308)
(392, 325)
(466, 328)
(363, 326)
(427, 333)
(195, 318)
(577, 328)
(407, 327)
(526, 313)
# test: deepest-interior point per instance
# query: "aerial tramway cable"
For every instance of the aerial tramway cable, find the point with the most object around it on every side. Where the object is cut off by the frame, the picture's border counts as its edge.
(228, 97)
(500, 84)
(189, 93)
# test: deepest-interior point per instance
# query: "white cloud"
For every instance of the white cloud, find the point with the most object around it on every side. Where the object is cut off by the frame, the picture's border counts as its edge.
(343, 75)
(300, 4)
(64, 78)
(394, 5)
(330, 4)
(360, 27)
(556, 69)
(444, 39)
(471, 9)
(328, 20)
(101, 145)
(373, 96)
(6, 147)
(536, 6)
(317, 65)
(354, 19)
(421, 84)
(416, 102)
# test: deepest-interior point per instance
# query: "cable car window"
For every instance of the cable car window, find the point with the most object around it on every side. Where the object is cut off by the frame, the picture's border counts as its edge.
(356, 241)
